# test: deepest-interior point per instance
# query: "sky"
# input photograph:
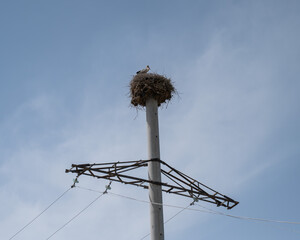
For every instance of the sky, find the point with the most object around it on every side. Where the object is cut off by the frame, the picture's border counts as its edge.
(65, 68)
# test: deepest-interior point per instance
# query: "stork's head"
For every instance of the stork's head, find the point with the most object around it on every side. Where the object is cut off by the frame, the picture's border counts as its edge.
(148, 67)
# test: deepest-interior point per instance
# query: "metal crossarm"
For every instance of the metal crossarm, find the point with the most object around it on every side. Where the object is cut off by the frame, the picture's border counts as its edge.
(180, 183)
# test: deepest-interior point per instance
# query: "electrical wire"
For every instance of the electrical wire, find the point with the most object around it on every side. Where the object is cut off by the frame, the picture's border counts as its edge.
(177, 214)
(85, 208)
(137, 200)
(251, 219)
(169, 219)
(75, 216)
(207, 210)
(246, 218)
(119, 195)
(40, 213)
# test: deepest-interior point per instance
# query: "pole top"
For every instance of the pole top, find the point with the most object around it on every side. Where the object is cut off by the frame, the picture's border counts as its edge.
(150, 85)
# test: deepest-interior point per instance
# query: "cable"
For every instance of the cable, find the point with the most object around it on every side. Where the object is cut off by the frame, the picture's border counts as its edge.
(40, 213)
(207, 210)
(75, 216)
(145, 236)
(130, 198)
(251, 219)
(247, 218)
(144, 202)
(169, 219)
(107, 188)
(177, 214)
(199, 210)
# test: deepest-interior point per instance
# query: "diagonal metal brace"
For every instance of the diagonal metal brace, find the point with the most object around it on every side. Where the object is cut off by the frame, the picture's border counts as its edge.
(180, 183)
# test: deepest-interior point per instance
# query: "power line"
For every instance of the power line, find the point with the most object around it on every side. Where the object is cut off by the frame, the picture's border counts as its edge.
(75, 216)
(119, 195)
(200, 210)
(177, 214)
(169, 219)
(40, 213)
(107, 188)
(135, 199)
(250, 219)
(246, 218)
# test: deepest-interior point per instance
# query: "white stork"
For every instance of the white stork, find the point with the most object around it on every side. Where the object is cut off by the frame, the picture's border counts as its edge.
(144, 70)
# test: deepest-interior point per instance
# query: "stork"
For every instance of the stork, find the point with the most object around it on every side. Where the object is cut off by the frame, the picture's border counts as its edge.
(145, 70)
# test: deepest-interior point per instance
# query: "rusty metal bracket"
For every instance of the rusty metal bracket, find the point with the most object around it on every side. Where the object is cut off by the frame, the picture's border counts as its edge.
(180, 183)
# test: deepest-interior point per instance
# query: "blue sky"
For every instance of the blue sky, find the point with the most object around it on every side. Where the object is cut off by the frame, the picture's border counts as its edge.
(65, 68)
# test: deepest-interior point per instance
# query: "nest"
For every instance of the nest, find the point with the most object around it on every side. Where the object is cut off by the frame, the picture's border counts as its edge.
(150, 85)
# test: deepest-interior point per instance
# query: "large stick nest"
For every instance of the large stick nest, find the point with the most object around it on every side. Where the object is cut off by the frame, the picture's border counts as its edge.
(150, 85)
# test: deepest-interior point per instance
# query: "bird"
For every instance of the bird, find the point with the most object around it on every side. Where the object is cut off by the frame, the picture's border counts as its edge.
(144, 70)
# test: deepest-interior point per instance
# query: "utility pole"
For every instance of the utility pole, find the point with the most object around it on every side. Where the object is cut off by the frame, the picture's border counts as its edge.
(150, 90)
(154, 171)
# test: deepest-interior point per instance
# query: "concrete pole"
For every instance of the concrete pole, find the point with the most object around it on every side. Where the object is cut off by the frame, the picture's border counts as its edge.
(154, 171)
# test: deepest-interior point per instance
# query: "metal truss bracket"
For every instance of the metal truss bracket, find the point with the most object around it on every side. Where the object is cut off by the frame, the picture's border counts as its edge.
(180, 183)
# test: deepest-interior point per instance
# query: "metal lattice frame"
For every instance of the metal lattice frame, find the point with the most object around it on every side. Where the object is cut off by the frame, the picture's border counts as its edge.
(181, 184)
